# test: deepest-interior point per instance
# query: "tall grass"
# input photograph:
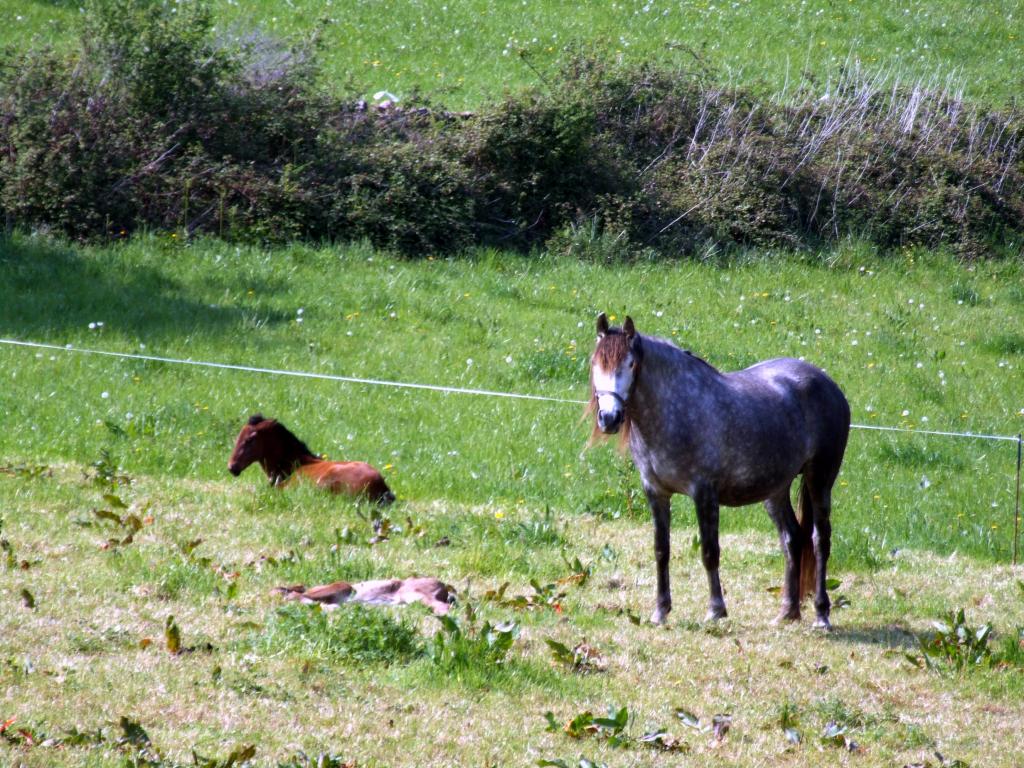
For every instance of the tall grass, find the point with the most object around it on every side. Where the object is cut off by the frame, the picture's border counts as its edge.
(896, 335)
(472, 52)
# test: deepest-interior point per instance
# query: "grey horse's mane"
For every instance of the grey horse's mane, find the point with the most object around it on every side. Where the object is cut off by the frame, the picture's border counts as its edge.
(670, 351)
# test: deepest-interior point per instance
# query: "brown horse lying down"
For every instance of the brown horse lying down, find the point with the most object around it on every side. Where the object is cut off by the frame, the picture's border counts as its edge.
(432, 593)
(282, 455)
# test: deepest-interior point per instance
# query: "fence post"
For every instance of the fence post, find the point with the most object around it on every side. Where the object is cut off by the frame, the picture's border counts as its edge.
(1016, 506)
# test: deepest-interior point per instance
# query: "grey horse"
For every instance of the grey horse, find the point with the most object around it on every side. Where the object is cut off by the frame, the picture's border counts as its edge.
(734, 439)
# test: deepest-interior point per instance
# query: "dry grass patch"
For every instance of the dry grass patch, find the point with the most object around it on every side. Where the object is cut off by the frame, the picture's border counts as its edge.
(93, 649)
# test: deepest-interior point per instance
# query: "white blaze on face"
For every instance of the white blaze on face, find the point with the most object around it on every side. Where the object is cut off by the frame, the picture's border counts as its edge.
(618, 381)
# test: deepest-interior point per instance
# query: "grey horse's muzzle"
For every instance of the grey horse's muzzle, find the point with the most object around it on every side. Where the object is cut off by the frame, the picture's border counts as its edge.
(610, 421)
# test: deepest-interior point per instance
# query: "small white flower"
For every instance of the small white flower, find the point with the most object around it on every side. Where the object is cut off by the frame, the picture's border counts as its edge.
(919, 365)
(905, 413)
(104, 395)
(299, 311)
(508, 359)
(469, 361)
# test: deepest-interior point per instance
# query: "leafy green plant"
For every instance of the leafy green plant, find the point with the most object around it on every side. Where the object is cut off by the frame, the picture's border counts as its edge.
(321, 760)
(954, 644)
(582, 658)
(543, 596)
(789, 721)
(610, 729)
(128, 524)
(579, 572)
(108, 475)
(719, 725)
(456, 648)
(582, 762)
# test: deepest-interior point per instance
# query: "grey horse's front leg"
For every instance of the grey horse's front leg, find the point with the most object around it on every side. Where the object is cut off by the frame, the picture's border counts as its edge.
(705, 499)
(661, 511)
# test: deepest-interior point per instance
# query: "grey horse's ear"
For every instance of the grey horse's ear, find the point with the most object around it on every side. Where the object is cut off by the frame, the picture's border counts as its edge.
(628, 328)
(602, 325)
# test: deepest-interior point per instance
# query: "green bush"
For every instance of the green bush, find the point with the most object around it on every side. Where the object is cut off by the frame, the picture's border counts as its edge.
(155, 122)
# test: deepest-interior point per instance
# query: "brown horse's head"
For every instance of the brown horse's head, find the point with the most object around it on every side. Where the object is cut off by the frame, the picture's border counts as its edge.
(613, 370)
(251, 443)
(270, 443)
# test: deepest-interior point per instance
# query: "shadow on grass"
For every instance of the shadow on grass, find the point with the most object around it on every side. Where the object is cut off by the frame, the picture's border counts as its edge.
(47, 290)
(888, 636)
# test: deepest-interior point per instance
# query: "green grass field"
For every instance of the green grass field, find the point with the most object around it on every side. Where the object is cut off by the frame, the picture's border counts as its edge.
(121, 529)
(467, 52)
(921, 524)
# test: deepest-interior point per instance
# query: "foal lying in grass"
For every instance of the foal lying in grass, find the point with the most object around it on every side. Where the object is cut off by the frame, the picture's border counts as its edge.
(434, 594)
(283, 457)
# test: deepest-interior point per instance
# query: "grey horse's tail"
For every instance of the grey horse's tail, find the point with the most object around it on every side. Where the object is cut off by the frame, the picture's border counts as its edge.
(808, 563)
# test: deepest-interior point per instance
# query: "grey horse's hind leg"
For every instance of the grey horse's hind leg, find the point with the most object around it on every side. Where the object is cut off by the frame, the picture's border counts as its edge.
(820, 488)
(780, 508)
(706, 501)
(661, 511)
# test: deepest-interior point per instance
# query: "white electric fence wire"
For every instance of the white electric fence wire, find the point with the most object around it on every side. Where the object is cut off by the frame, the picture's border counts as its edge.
(411, 385)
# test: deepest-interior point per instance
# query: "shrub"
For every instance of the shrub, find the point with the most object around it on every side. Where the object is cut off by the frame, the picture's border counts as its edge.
(154, 121)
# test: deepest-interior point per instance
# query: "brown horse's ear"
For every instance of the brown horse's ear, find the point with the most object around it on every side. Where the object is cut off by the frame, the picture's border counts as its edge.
(602, 325)
(255, 419)
(628, 328)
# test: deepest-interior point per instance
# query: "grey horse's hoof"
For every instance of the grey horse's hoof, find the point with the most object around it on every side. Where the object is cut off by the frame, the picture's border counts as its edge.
(659, 617)
(715, 613)
(787, 616)
(823, 624)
